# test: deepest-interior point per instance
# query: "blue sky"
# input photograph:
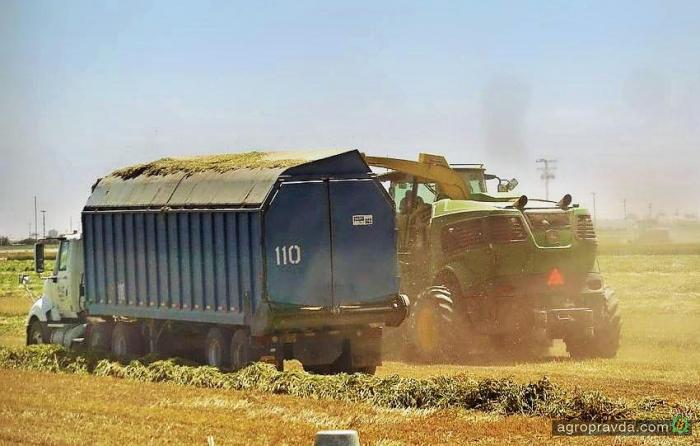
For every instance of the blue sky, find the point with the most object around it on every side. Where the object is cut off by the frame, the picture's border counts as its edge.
(610, 89)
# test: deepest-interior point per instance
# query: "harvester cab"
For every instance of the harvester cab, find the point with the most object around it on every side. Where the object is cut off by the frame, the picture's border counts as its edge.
(478, 264)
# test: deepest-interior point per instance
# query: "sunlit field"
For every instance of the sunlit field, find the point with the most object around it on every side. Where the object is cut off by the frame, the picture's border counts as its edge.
(659, 360)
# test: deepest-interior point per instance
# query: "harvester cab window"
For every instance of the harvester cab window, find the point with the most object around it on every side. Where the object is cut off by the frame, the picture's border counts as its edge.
(474, 178)
(427, 192)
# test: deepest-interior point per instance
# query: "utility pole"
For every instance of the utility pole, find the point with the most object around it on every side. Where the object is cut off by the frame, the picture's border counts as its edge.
(595, 224)
(624, 207)
(43, 223)
(36, 221)
(547, 173)
(70, 231)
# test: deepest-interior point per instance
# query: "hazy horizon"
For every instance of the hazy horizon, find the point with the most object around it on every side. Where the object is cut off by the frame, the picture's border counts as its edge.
(612, 91)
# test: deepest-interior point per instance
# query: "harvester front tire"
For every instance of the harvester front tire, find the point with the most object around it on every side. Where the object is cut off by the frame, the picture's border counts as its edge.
(432, 326)
(606, 337)
(127, 342)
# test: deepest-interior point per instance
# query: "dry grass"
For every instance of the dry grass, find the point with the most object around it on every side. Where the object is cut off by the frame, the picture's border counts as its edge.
(659, 360)
(216, 163)
(99, 410)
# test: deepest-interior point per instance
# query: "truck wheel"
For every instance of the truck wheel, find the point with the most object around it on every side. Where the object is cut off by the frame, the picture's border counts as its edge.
(606, 336)
(99, 337)
(240, 349)
(216, 348)
(433, 323)
(369, 370)
(36, 333)
(126, 341)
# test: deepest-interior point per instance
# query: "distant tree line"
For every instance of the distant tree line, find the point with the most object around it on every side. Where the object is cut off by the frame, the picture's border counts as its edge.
(6, 241)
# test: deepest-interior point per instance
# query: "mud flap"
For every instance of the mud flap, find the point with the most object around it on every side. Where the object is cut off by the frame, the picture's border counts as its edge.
(366, 352)
(318, 350)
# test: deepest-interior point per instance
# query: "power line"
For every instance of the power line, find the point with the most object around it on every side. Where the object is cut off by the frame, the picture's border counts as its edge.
(548, 168)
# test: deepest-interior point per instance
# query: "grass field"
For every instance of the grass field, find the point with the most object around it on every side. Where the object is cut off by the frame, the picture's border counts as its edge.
(659, 360)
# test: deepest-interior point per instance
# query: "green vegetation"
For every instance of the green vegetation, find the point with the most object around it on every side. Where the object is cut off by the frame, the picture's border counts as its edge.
(500, 396)
(10, 271)
(217, 163)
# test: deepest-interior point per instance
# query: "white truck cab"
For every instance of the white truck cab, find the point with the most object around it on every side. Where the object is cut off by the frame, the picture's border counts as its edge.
(58, 315)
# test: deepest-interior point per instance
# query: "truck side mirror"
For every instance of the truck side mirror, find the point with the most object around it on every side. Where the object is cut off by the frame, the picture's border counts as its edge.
(39, 258)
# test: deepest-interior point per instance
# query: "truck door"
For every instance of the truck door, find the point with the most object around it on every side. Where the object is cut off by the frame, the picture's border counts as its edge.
(297, 244)
(62, 277)
(364, 242)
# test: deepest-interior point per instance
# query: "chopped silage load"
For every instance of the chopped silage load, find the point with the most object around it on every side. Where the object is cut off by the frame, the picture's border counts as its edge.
(215, 163)
(502, 396)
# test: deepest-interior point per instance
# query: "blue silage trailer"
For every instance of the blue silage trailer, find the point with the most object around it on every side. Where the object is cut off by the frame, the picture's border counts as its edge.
(290, 256)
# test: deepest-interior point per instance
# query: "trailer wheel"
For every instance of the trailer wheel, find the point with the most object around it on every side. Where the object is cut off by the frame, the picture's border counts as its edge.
(369, 370)
(36, 333)
(240, 349)
(216, 348)
(126, 341)
(99, 336)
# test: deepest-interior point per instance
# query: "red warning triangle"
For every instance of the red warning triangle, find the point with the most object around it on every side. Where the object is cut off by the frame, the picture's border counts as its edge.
(555, 278)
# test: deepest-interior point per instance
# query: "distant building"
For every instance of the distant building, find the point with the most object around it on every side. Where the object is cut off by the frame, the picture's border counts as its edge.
(52, 233)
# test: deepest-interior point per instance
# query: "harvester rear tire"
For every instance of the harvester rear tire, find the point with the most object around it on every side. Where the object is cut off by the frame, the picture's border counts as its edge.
(432, 324)
(606, 337)
(127, 342)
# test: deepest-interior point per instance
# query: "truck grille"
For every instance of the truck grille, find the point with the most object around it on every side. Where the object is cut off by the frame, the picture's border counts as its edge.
(584, 228)
(506, 229)
(462, 235)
